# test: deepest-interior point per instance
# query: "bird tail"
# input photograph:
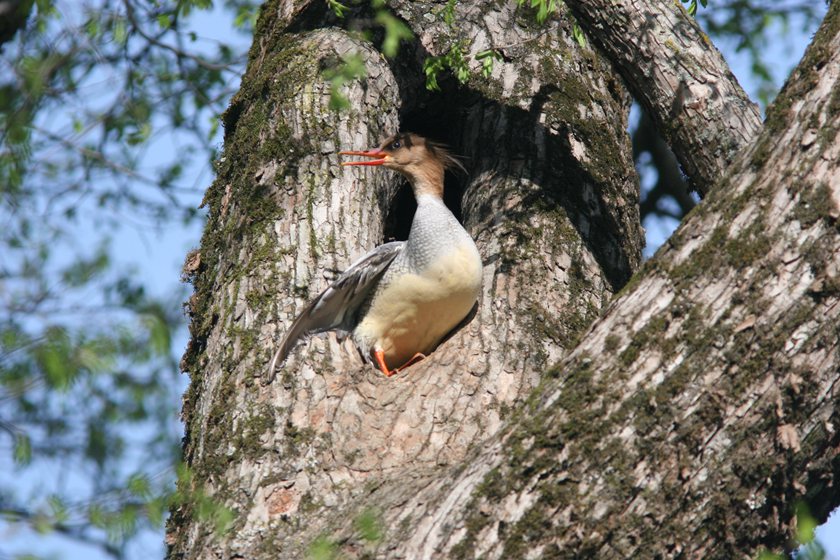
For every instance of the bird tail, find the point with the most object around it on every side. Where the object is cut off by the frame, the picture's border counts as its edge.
(279, 357)
(296, 332)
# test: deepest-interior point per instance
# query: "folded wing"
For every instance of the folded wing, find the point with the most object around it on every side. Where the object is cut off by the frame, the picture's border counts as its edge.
(337, 307)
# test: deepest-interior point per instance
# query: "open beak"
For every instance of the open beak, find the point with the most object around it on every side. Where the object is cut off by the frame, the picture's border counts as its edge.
(379, 156)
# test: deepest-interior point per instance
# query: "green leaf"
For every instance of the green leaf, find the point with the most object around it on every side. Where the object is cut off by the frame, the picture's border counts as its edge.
(337, 7)
(138, 485)
(156, 511)
(544, 8)
(164, 21)
(210, 510)
(577, 32)
(456, 62)
(94, 358)
(246, 18)
(214, 126)
(487, 67)
(806, 525)
(23, 449)
(83, 270)
(46, 7)
(42, 525)
(350, 68)
(431, 67)
(121, 524)
(488, 59)
(453, 60)
(92, 29)
(338, 101)
(186, 6)
(59, 509)
(54, 359)
(395, 31)
(692, 7)
(96, 515)
(449, 13)
(120, 33)
(140, 135)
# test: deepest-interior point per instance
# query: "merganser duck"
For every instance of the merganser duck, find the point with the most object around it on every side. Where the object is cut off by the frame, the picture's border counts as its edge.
(401, 299)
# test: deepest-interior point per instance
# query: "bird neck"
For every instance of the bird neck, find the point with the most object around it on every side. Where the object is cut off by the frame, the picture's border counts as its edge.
(427, 180)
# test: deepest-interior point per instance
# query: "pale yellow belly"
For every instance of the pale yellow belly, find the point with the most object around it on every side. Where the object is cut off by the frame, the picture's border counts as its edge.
(416, 311)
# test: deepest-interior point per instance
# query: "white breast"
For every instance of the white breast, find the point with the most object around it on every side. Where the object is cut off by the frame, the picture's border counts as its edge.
(416, 310)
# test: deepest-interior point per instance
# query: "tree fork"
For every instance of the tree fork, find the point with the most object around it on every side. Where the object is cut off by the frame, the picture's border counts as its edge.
(701, 407)
(661, 433)
(672, 68)
(553, 207)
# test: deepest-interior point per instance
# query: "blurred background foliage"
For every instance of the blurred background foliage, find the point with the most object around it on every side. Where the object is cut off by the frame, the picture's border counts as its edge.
(106, 111)
(109, 123)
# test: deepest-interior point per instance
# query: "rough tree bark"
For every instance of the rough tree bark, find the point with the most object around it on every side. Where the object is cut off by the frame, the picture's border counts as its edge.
(685, 421)
(680, 78)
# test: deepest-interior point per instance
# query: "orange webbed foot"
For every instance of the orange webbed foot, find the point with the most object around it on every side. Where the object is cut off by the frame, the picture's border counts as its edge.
(379, 355)
(414, 359)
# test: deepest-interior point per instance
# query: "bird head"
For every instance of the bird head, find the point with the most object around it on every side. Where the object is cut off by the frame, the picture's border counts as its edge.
(422, 161)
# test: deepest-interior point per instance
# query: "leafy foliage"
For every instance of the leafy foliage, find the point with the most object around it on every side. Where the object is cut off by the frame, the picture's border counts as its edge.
(487, 59)
(351, 67)
(88, 383)
(577, 32)
(692, 6)
(456, 58)
(454, 61)
(543, 8)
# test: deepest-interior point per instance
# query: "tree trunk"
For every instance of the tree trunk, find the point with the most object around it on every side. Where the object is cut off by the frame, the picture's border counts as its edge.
(686, 420)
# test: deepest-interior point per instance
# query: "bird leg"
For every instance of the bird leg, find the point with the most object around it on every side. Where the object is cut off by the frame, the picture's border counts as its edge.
(379, 355)
(380, 360)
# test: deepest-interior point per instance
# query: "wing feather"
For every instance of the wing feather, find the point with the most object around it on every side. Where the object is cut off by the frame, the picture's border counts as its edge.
(337, 307)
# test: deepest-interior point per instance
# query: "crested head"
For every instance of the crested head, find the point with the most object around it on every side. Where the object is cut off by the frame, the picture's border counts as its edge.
(422, 161)
(407, 151)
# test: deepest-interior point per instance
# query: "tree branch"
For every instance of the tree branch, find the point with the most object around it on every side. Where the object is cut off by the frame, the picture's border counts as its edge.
(673, 69)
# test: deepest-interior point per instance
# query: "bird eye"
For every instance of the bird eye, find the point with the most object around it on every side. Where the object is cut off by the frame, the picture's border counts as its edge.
(396, 145)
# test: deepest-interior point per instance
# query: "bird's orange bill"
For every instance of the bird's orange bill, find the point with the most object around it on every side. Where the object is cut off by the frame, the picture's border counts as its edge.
(378, 154)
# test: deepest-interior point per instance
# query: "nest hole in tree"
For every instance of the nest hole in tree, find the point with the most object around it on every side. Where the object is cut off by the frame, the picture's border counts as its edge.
(435, 117)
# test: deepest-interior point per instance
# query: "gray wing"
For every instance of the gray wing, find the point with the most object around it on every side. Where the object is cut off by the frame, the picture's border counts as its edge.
(337, 307)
